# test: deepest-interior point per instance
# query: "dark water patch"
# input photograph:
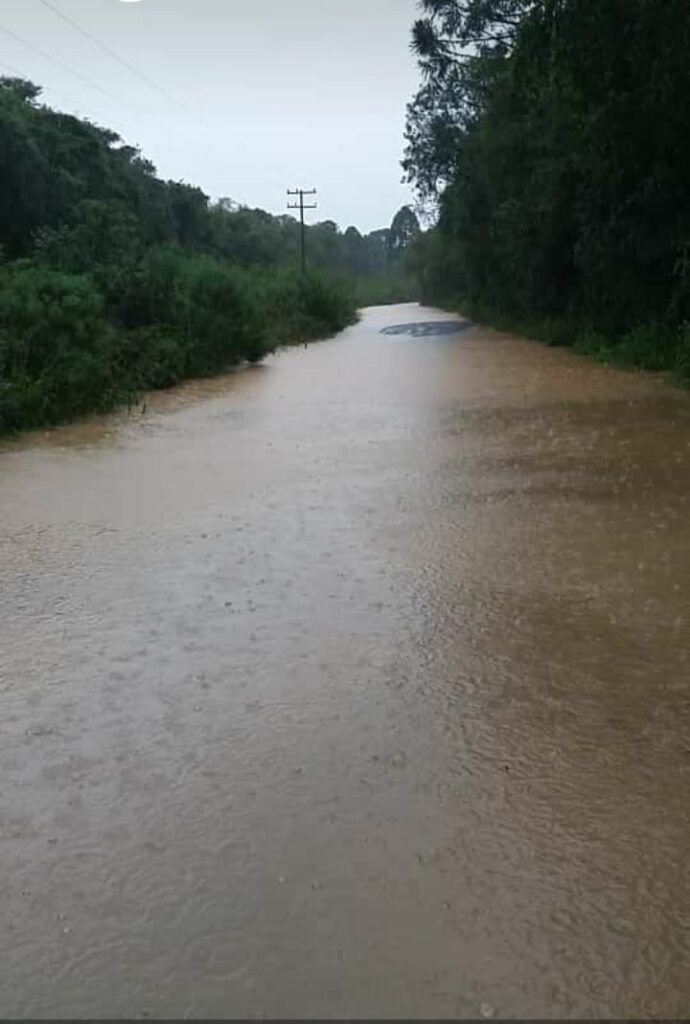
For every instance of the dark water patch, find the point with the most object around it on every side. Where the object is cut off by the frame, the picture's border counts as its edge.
(430, 329)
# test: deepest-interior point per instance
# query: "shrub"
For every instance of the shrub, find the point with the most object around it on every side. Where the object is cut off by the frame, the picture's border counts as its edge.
(682, 367)
(66, 351)
(56, 352)
(300, 307)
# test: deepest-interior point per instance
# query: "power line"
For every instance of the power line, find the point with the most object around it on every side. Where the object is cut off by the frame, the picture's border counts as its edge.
(18, 73)
(12, 71)
(111, 53)
(77, 106)
(302, 206)
(130, 67)
(57, 63)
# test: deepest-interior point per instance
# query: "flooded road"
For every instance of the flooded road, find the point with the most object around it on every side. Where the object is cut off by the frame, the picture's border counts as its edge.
(356, 684)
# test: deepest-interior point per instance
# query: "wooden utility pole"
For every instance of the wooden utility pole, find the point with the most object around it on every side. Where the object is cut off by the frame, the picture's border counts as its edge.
(302, 206)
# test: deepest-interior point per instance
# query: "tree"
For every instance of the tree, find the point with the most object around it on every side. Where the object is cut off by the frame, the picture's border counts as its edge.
(403, 230)
(551, 135)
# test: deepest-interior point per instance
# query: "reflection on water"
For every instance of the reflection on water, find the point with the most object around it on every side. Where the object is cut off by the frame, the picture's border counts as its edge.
(353, 686)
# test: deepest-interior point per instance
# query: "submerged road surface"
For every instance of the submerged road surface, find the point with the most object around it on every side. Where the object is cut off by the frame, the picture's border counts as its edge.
(356, 684)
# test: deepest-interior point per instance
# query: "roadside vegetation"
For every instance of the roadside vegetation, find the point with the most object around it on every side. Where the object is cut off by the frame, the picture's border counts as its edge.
(549, 141)
(113, 281)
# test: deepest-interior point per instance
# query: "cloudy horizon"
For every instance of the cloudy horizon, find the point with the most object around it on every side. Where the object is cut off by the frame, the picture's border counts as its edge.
(244, 101)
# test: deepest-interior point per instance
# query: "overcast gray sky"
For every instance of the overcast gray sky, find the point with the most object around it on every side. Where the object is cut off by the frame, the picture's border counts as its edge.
(245, 97)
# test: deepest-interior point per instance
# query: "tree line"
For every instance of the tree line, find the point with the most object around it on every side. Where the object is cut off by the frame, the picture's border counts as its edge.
(113, 281)
(551, 140)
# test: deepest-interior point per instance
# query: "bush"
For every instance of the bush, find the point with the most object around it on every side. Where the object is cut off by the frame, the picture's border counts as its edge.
(301, 307)
(219, 308)
(213, 311)
(682, 367)
(153, 357)
(65, 351)
(56, 350)
(650, 346)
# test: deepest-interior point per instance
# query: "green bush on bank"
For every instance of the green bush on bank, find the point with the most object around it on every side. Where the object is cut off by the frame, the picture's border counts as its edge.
(57, 351)
(682, 367)
(69, 346)
(300, 308)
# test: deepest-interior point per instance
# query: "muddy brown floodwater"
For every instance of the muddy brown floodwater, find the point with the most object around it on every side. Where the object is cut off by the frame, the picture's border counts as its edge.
(356, 684)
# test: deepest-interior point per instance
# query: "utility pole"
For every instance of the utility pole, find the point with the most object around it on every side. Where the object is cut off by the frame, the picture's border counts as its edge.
(302, 206)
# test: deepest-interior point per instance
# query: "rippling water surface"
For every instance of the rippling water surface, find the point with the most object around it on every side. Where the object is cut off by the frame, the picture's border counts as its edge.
(356, 684)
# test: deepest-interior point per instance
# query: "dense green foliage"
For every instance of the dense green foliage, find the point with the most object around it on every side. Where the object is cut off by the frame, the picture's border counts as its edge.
(67, 347)
(113, 281)
(553, 137)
